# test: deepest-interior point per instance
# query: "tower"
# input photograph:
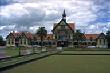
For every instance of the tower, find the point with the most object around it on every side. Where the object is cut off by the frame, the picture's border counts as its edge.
(64, 15)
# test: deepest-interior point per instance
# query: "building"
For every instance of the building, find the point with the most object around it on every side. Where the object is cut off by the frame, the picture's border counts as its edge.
(12, 39)
(64, 35)
(47, 41)
(63, 32)
(19, 39)
(91, 39)
(27, 39)
(102, 41)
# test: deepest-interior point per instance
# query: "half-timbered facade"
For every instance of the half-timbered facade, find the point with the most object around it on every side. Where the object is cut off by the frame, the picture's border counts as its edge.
(102, 41)
(12, 39)
(63, 32)
(64, 35)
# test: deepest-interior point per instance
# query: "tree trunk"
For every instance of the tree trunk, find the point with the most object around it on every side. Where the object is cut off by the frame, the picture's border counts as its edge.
(19, 51)
(41, 41)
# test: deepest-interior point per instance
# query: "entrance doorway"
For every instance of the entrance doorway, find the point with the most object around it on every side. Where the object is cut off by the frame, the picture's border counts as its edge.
(62, 43)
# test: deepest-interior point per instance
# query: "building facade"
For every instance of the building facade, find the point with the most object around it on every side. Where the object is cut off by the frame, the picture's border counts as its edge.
(63, 32)
(102, 41)
(64, 35)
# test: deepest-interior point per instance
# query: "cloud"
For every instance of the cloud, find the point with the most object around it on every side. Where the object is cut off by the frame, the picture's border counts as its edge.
(28, 15)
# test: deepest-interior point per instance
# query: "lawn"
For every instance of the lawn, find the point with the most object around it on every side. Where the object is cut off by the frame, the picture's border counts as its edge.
(86, 52)
(12, 51)
(66, 64)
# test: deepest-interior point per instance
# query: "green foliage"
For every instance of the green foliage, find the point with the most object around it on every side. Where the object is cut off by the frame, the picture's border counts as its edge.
(2, 42)
(108, 37)
(78, 35)
(1, 39)
(42, 33)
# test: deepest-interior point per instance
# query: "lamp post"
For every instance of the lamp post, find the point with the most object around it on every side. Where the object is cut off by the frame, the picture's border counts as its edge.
(19, 51)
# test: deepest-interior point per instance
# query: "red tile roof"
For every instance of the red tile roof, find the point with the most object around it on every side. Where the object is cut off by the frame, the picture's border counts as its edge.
(49, 37)
(93, 36)
(28, 35)
(16, 34)
(72, 25)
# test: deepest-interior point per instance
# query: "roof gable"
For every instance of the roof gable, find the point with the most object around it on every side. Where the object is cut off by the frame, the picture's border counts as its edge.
(102, 36)
(62, 22)
(28, 35)
(15, 35)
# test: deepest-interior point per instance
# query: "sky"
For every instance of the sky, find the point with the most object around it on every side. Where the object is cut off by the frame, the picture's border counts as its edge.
(90, 16)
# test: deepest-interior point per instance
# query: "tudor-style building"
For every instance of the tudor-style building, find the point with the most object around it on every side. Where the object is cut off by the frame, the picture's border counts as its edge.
(102, 41)
(12, 39)
(19, 39)
(63, 32)
(63, 35)
(91, 39)
(47, 41)
(25, 39)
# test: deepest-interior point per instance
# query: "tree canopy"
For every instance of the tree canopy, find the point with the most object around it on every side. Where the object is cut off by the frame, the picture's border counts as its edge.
(1, 39)
(108, 37)
(42, 33)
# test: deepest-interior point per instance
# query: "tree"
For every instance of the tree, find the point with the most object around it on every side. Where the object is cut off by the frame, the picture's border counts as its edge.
(78, 36)
(108, 38)
(2, 42)
(1, 38)
(42, 33)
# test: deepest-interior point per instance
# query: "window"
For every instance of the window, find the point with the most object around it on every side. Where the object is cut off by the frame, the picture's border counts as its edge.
(62, 27)
(12, 41)
(104, 41)
(55, 37)
(8, 41)
(21, 41)
(100, 41)
(24, 41)
(36, 43)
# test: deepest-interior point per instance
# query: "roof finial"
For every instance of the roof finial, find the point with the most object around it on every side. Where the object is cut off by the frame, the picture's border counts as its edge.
(64, 15)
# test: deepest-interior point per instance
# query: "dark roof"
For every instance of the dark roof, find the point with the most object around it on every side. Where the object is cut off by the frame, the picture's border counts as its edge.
(101, 35)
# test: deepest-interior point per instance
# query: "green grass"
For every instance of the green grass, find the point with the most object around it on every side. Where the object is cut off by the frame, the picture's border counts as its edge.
(14, 51)
(83, 49)
(11, 51)
(15, 60)
(66, 64)
(85, 52)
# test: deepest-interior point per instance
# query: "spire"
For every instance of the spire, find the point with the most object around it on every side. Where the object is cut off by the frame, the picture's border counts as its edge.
(64, 15)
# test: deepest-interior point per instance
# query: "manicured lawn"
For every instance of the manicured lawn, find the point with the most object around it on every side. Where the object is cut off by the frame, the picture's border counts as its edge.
(11, 51)
(88, 49)
(16, 60)
(14, 51)
(66, 64)
(86, 52)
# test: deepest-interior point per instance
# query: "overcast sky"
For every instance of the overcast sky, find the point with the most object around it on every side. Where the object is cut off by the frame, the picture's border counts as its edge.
(91, 16)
